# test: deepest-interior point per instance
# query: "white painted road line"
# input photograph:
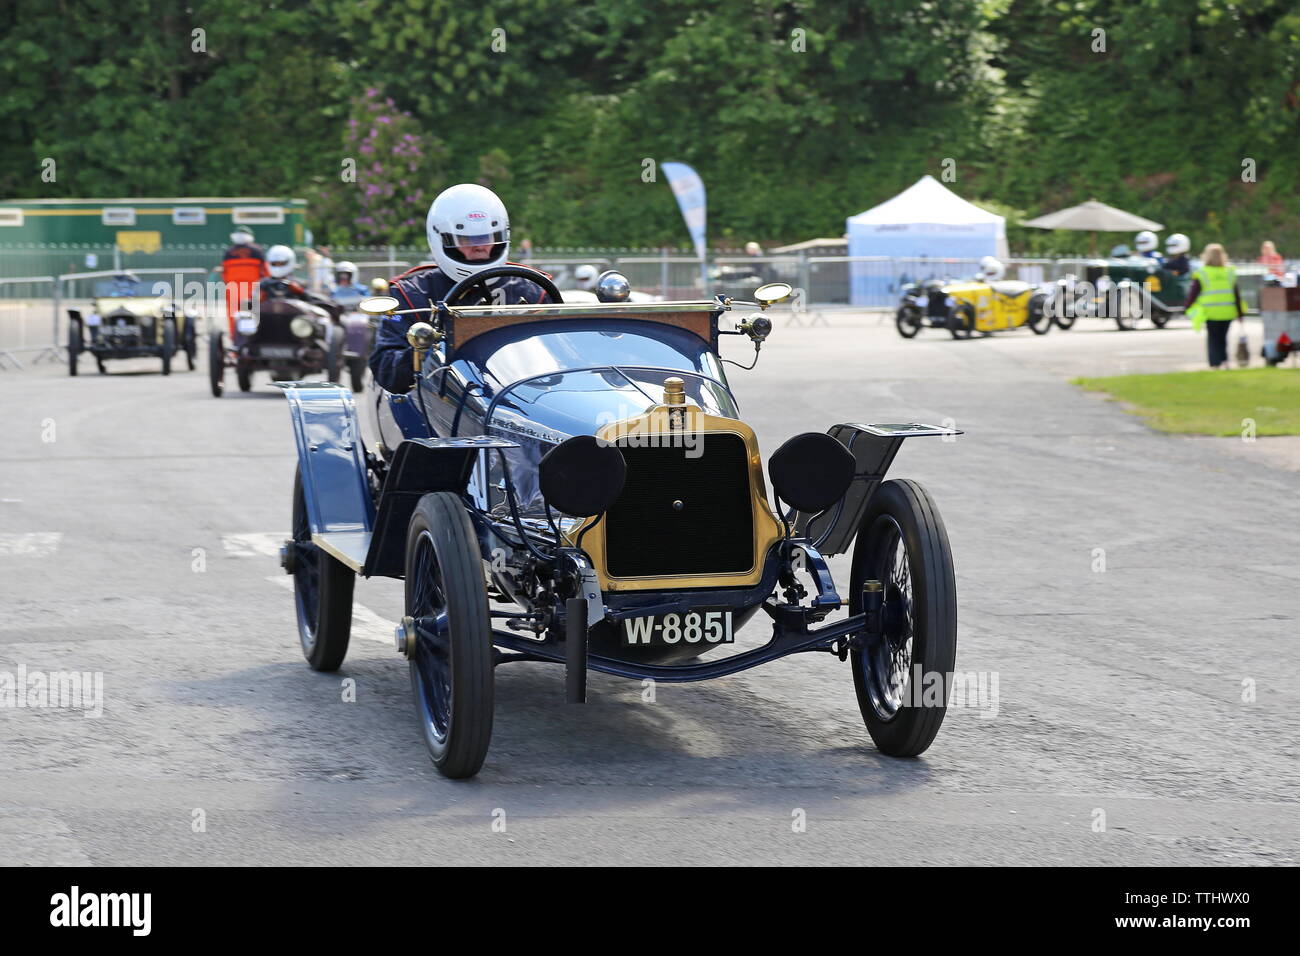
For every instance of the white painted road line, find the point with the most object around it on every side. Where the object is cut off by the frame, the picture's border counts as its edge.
(365, 622)
(34, 544)
(260, 544)
(266, 544)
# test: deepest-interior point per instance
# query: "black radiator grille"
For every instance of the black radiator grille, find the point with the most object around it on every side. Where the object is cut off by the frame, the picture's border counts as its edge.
(683, 510)
(274, 330)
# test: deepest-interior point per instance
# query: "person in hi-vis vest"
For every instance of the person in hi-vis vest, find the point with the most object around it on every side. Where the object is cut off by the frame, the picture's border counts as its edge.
(1215, 301)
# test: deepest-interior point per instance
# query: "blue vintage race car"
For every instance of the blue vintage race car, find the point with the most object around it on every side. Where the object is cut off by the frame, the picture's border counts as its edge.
(573, 483)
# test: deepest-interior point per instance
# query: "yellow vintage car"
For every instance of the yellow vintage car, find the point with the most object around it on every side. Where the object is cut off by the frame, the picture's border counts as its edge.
(967, 307)
(127, 325)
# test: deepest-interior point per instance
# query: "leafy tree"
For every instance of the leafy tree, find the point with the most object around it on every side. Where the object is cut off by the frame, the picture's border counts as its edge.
(796, 113)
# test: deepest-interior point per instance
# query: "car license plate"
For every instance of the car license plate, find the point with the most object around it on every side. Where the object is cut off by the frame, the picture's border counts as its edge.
(277, 351)
(693, 627)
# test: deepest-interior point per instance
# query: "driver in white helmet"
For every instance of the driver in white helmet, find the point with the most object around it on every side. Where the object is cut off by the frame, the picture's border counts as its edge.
(346, 287)
(280, 284)
(584, 277)
(1176, 258)
(469, 232)
(1147, 245)
(991, 269)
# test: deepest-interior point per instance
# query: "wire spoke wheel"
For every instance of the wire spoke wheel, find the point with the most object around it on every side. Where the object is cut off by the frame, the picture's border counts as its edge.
(322, 591)
(1128, 308)
(891, 653)
(451, 656)
(902, 674)
(428, 607)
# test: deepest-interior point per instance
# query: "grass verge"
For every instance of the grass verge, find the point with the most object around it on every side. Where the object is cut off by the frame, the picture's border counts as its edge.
(1209, 402)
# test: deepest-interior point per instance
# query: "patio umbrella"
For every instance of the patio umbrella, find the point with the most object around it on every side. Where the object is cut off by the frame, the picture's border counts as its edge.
(1094, 217)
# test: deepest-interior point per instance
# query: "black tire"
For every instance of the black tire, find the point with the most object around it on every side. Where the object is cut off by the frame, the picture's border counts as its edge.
(1040, 322)
(908, 320)
(451, 671)
(1064, 322)
(244, 377)
(168, 345)
(217, 363)
(333, 353)
(99, 363)
(961, 322)
(357, 373)
(74, 345)
(1159, 317)
(1128, 308)
(903, 544)
(322, 592)
(191, 344)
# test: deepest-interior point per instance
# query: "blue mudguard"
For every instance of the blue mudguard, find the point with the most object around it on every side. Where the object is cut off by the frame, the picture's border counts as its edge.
(419, 466)
(331, 457)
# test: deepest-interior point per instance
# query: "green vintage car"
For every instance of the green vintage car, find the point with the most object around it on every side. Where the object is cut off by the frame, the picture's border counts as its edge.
(1130, 288)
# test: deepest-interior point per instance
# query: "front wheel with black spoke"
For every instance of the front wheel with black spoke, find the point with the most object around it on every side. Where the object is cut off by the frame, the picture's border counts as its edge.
(449, 632)
(908, 321)
(903, 671)
(322, 591)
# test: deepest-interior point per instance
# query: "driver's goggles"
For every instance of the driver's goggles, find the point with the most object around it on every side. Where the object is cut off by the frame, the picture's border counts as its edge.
(458, 241)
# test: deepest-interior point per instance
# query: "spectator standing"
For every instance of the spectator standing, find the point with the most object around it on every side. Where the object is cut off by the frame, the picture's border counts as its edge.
(1268, 256)
(320, 270)
(1214, 301)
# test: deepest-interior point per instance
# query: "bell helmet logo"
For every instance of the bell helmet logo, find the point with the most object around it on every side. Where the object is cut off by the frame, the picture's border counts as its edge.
(476, 216)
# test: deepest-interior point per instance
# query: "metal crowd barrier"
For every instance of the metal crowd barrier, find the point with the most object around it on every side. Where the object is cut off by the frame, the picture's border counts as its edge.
(15, 318)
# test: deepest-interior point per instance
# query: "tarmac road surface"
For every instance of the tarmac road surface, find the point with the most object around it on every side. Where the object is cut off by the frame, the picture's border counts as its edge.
(1128, 598)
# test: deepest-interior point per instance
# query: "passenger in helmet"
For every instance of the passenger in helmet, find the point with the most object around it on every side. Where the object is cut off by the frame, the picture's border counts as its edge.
(1176, 259)
(346, 286)
(991, 269)
(468, 231)
(281, 284)
(584, 277)
(1148, 245)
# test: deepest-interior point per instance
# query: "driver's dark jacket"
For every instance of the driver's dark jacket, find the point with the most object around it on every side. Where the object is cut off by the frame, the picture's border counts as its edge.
(420, 288)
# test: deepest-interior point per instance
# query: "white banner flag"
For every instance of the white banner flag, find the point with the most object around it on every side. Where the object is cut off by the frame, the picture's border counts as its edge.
(689, 190)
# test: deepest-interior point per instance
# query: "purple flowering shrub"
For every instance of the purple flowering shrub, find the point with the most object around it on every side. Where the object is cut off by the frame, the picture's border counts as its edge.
(398, 170)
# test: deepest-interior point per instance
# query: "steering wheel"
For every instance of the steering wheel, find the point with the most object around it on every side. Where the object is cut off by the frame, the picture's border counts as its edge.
(461, 288)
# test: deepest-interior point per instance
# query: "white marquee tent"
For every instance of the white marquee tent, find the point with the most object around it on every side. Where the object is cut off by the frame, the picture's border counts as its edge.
(926, 221)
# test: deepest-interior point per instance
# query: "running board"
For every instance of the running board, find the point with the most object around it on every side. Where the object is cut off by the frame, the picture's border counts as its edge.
(349, 547)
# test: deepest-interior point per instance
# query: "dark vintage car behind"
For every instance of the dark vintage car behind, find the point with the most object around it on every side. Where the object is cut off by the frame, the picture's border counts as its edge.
(287, 337)
(1130, 288)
